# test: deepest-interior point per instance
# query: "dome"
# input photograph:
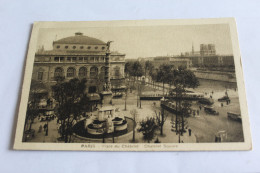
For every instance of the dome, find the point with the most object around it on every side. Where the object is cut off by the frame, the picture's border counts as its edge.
(79, 38)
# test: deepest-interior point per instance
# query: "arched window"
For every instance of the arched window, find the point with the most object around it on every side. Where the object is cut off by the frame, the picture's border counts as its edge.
(117, 72)
(103, 72)
(40, 74)
(71, 72)
(58, 72)
(93, 72)
(82, 72)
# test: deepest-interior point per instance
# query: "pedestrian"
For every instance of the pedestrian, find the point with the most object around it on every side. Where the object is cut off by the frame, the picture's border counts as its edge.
(194, 113)
(198, 112)
(211, 96)
(212, 92)
(189, 132)
(227, 102)
(47, 129)
(222, 105)
(200, 107)
(45, 126)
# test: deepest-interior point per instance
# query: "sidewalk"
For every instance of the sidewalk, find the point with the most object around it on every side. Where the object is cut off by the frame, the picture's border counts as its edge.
(40, 136)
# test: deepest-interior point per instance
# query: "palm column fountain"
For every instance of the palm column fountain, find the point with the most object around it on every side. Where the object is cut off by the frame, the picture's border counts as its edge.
(106, 94)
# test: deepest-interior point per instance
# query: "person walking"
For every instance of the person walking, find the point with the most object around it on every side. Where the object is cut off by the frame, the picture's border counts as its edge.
(200, 107)
(46, 129)
(45, 126)
(189, 132)
(198, 112)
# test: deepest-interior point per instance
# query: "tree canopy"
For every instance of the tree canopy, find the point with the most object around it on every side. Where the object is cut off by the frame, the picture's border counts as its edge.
(71, 98)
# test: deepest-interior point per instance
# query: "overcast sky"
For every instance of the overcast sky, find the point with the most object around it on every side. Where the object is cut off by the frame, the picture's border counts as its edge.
(149, 41)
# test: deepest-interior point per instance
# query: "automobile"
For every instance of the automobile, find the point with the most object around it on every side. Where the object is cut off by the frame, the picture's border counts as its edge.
(224, 99)
(234, 116)
(206, 101)
(210, 110)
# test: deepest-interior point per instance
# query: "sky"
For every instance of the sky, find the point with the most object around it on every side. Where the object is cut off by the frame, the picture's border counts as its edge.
(149, 41)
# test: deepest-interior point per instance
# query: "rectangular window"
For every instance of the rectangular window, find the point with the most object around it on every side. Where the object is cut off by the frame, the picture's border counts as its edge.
(40, 75)
(68, 58)
(74, 59)
(56, 59)
(85, 58)
(96, 59)
(80, 59)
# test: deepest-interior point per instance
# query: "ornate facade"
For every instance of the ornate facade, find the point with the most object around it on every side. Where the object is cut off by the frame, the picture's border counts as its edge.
(80, 56)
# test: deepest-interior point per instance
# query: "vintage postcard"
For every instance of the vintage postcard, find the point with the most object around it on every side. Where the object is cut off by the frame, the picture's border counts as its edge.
(149, 85)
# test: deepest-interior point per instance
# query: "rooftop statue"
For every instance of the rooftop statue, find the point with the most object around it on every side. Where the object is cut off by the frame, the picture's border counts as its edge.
(108, 45)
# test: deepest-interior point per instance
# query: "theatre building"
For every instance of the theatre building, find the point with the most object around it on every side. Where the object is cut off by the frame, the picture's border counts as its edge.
(80, 56)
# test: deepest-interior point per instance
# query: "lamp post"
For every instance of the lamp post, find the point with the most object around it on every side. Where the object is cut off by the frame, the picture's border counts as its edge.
(137, 95)
(125, 97)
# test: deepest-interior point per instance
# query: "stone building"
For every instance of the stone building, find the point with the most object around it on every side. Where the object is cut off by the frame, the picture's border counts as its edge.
(172, 60)
(79, 56)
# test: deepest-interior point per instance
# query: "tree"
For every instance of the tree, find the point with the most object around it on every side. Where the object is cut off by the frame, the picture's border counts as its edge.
(133, 69)
(37, 92)
(148, 128)
(165, 74)
(128, 68)
(183, 78)
(137, 69)
(147, 67)
(153, 74)
(71, 99)
(160, 119)
(134, 113)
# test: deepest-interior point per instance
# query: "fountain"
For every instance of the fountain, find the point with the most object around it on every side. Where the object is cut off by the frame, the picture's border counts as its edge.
(105, 121)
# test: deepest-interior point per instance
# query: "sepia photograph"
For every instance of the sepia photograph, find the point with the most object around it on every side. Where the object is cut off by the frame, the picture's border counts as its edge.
(154, 85)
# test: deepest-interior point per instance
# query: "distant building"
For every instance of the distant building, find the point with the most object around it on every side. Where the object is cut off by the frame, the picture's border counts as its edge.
(207, 56)
(79, 56)
(207, 49)
(177, 62)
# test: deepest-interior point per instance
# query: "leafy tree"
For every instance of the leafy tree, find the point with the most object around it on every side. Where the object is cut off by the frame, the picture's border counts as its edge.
(147, 67)
(134, 69)
(128, 68)
(160, 120)
(137, 69)
(153, 74)
(71, 99)
(37, 92)
(183, 78)
(165, 74)
(148, 128)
